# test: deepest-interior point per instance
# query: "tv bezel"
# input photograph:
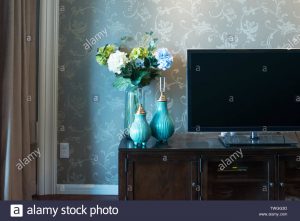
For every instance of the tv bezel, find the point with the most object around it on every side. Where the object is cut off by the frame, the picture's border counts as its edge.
(265, 128)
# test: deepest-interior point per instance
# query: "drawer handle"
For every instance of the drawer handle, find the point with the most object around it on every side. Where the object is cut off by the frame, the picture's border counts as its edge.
(197, 187)
(271, 184)
(281, 184)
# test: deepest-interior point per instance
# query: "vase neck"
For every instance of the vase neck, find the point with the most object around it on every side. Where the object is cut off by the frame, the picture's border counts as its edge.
(162, 106)
(140, 116)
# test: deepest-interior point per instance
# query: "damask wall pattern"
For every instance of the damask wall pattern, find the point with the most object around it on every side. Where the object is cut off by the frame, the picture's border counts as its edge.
(90, 110)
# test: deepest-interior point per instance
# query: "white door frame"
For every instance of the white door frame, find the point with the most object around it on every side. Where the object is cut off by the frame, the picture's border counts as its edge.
(47, 97)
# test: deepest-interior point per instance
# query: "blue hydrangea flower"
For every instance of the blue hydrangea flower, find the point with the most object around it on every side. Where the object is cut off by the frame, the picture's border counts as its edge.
(164, 58)
(139, 63)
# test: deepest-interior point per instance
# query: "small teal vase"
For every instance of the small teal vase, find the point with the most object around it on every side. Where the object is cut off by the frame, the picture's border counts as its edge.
(162, 125)
(140, 131)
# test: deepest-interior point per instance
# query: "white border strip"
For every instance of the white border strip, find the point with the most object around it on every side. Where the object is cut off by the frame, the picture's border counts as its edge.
(47, 92)
(88, 189)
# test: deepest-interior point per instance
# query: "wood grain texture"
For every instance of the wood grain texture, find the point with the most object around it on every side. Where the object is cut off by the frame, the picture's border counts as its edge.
(161, 177)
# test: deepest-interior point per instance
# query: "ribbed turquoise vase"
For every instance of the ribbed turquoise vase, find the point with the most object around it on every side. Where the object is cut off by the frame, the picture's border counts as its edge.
(162, 125)
(140, 131)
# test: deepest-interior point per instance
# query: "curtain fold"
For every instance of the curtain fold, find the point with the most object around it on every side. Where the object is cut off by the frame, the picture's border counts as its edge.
(4, 18)
(18, 101)
(3, 22)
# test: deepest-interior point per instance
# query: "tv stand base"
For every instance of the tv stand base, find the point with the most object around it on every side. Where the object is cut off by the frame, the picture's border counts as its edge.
(254, 140)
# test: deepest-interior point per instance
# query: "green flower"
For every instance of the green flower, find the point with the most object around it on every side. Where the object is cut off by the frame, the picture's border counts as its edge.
(104, 53)
(138, 53)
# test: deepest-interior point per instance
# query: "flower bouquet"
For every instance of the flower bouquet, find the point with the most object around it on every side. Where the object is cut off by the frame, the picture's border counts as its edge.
(138, 67)
(134, 68)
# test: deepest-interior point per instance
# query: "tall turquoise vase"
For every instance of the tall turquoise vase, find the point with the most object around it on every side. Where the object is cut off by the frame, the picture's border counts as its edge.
(162, 125)
(140, 131)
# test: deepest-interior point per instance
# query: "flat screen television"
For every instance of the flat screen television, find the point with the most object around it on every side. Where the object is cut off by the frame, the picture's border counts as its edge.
(243, 90)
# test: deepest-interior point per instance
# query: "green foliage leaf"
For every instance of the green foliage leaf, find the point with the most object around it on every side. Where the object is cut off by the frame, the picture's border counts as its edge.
(100, 60)
(147, 62)
(148, 78)
(139, 77)
(154, 62)
(127, 71)
(122, 83)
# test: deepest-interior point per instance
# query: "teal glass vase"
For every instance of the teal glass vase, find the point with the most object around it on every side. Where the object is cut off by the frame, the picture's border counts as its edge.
(132, 102)
(140, 131)
(162, 125)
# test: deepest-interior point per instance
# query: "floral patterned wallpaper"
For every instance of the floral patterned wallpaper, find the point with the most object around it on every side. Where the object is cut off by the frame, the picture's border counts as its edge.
(90, 111)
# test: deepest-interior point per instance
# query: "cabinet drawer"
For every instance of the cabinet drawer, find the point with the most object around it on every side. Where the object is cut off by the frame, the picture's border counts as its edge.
(248, 178)
(240, 169)
(238, 191)
(162, 176)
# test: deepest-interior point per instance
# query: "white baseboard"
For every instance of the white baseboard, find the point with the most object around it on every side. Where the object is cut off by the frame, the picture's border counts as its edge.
(87, 189)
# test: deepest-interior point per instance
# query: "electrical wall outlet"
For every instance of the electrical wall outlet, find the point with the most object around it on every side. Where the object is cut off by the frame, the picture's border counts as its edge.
(64, 152)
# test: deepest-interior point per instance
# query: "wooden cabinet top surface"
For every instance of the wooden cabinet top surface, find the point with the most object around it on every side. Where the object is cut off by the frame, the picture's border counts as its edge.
(204, 142)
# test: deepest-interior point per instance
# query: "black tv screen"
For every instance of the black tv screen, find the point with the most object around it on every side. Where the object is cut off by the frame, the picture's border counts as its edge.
(243, 90)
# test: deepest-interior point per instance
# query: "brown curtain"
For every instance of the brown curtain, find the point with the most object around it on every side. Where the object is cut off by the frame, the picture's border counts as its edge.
(18, 99)
(3, 21)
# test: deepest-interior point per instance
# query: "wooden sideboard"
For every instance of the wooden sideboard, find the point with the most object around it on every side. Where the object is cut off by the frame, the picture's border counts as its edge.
(189, 167)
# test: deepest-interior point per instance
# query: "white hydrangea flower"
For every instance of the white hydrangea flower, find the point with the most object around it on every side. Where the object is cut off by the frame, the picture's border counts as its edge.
(116, 61)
